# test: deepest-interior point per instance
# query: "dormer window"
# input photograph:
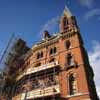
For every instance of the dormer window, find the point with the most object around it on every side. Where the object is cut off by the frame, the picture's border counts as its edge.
(46, 34)
(39, 55)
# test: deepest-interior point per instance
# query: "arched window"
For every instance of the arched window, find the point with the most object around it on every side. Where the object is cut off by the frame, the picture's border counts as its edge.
(70, 60)
(67, 44)
(65, 21)
(53, 50)
(72, 84)
(39, 55)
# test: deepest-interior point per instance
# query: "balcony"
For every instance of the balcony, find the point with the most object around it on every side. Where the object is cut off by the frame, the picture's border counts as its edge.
(53, 90)
(37, 69)
(39, 93)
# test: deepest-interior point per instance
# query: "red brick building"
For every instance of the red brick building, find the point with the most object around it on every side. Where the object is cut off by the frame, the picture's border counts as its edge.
(57, 68)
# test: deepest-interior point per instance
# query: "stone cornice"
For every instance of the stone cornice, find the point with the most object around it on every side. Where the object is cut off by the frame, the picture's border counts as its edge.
(54, 39)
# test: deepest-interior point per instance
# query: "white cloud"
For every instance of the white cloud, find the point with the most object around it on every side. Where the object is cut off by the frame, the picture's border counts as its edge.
(92, 13)
(86, 3)
(98, 89)
(50, 24)
(94, 57)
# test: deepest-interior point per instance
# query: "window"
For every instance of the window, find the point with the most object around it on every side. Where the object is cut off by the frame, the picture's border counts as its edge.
(38, 64)
(53, 50)
(52, 60)
(72, 84)
(67, 44)
(65, 21)
(70, 60)
(39, 55)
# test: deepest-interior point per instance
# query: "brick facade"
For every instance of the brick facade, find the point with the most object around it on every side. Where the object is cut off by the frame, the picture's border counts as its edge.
(62, 56)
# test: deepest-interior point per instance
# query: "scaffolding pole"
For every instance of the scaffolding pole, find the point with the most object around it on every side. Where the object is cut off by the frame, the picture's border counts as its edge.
(5, 51)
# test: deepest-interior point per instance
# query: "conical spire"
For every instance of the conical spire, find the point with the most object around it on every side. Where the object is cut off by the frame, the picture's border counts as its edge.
(67, 12)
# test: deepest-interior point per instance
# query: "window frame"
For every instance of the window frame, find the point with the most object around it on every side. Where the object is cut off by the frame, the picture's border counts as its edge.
(53, 50)
(74, 75)
(39, 55)
(67, 44)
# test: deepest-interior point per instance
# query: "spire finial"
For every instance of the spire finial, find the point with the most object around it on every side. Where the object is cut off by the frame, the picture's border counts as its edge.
(67, 12)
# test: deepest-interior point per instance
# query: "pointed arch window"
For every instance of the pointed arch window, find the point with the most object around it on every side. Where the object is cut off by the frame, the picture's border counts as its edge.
(65, 21)
(72, 84)
(67, 44)
(70, 60)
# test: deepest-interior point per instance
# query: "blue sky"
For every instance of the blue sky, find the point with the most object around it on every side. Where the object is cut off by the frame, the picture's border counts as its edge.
(28, 18)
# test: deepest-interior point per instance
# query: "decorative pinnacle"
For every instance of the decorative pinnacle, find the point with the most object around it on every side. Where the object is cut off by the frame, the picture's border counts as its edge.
(67, 12)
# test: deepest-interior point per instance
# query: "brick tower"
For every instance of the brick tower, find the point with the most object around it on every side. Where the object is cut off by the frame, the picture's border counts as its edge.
(77, 75)
(57, 67)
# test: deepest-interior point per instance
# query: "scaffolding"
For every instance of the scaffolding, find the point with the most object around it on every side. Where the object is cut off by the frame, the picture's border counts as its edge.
(10, 60)
(39, 82)
(38, 85)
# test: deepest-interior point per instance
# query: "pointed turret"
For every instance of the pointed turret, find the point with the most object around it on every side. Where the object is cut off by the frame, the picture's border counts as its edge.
(67, 20)
(67, 12)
